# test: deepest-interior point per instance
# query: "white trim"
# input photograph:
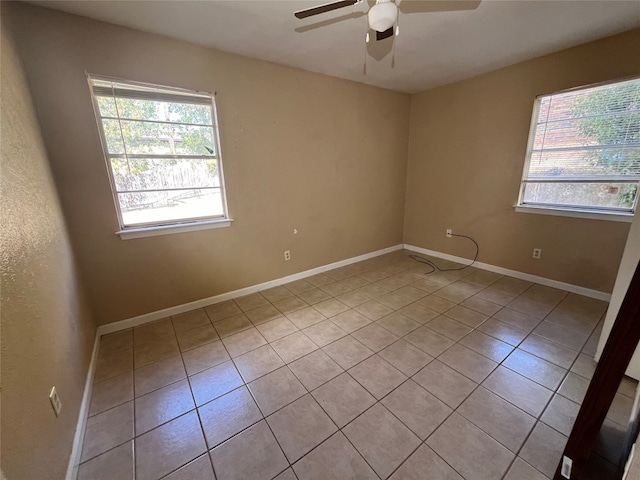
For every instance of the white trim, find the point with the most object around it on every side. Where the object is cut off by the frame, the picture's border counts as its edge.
(568, 212)
(157, 315)
(154, 231)
(78, 439)
(587, 292)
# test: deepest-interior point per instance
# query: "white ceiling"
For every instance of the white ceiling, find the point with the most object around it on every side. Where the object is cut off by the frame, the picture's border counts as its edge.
(433, 48)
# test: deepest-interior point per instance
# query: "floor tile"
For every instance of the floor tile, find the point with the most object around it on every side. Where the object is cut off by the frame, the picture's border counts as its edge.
(336, 288)
(521, 470)
(305, 317)
(517, 319)
(196, 337)
(162, 405)
(533, 307)
(394, 300)
(258, 362)
(330, 308)
(494, 295)
(374, 337)
(107, 430)
(437, 304)
(200, 469)
(449, 328)
(350, 321)
(549, 351)
(313, 296)
(352, 298)
(543, 449)
(204, 357)
(334, 459)
(276, 293)
(152, 331)
(347, 351)
(232, 324)
(180, 441)
(155, 349)
(458, 291)
(505, 423)
(429, 341)
(319, 280)
(482, 278)
(377, 376)
(275, 329)
(482, 306)
(116, 342)
(425, 464)
(416, 408)
(290, 304)
(584, 366)
(560, 414)
(381, 439)
(324, 333)
(572, 339)
(343, 399)
(405, 357)
(286, 475)
(116, 463)
(190, 320)
(487, 346)
(264, 314)
(523, 393)
(398, 324)
(243, 342)
(214, 382)
(301, 426)
(298, 286)
(373, 310)
(448, 385)
(113, 364)
(467, 362)
(159, 374)
(276, 389)
(249, 302)
(315, 369)
(471, 461)
(502, 331)
(355, 283)
(464, 315)
(227, 415)
(293, 346)
(110, 393)
(535, 368)
(574, 387)
(418, 313)
(253, 454)
(373, 290)
(220, 311)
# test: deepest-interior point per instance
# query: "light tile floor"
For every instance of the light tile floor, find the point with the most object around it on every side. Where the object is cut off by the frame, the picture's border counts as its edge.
(374, 370)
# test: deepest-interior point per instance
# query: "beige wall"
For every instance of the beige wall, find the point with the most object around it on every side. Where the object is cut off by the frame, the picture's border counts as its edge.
(300, 150)
(47, 332)
(466, 153)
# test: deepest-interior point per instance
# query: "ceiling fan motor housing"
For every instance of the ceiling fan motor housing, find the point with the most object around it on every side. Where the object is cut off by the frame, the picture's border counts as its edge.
(383, 15)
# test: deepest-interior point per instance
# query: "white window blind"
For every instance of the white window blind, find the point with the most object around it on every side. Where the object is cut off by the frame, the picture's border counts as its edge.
(162, 152)
(584, 150)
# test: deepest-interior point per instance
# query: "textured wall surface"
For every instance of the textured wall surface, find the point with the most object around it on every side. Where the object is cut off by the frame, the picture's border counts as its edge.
(467, 147)
(47, 332)
(300, 150)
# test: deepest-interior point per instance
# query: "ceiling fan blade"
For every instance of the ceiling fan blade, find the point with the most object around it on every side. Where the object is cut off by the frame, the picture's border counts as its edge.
(327, 7)
(330, 21)
(425, 6)
(386, 34)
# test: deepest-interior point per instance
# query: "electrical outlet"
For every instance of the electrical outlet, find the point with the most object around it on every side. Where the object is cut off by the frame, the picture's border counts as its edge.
(449, 232)
(287, 255)
(537, 253)
(55, 401)
(567, 463)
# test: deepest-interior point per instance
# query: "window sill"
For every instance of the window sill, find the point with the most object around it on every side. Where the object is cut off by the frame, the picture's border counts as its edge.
(568, 212)
(154, 231)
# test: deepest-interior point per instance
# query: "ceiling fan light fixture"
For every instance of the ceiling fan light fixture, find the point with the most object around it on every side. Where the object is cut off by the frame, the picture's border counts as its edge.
(382, 16)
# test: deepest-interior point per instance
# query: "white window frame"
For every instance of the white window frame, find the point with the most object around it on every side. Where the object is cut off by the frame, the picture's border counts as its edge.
(162, 92)
(564, 210)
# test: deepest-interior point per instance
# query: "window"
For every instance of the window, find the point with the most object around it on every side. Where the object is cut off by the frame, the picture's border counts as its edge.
(162, 152)
(584, 151)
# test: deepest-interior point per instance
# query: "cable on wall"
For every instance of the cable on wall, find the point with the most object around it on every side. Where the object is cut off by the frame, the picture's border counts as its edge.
(436, 268)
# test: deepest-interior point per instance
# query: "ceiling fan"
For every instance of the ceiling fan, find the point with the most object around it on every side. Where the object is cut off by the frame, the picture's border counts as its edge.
(383, 14)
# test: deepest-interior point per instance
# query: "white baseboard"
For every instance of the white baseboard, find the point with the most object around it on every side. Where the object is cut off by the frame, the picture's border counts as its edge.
(587, 292)
(78, 439)
(157, 315)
